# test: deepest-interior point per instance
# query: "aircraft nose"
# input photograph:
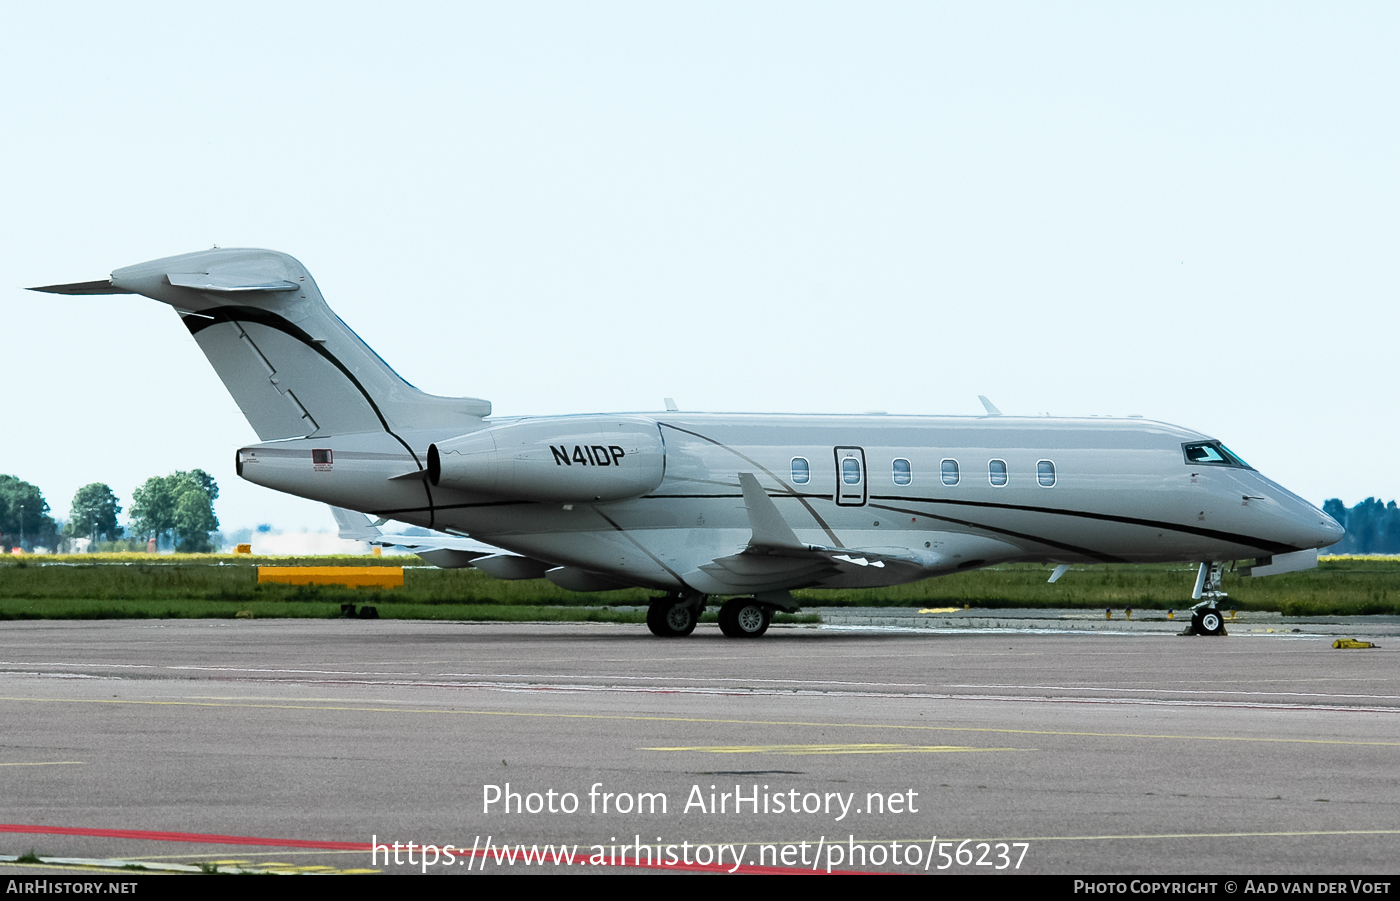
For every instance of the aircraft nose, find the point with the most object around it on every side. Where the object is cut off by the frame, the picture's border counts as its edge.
(1301, 524)
(1329, 531)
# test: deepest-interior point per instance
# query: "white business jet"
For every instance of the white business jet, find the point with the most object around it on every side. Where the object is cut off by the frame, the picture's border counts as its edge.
(704, 506)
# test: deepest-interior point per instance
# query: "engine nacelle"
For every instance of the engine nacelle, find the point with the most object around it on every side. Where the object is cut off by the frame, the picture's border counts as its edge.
(579, 459)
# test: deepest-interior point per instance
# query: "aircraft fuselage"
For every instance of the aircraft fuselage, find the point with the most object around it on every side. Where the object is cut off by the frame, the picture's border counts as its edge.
(941, 494)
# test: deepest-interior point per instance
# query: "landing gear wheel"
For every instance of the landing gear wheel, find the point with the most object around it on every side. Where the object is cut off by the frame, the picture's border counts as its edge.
(671, 618)
(1208, 621)
(744, 618)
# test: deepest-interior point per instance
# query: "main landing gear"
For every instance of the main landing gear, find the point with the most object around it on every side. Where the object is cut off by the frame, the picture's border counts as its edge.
(675, 616)
(1206, 618)
(744, 618)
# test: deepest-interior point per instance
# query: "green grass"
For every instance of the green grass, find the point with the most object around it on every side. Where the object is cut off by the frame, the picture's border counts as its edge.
(142, 586)
(1344, 586)
(237, 582)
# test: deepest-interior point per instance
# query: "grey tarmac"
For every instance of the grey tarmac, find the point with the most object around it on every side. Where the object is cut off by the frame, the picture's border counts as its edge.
(1109, 753)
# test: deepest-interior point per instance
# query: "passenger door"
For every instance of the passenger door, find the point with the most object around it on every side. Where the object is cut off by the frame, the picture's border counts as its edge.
(850, 477)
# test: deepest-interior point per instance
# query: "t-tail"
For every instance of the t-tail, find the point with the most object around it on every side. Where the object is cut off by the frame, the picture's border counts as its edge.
(294, 368)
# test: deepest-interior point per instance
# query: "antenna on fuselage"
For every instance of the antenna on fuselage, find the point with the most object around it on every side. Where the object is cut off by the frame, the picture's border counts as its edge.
(671, 405)
(991, 407)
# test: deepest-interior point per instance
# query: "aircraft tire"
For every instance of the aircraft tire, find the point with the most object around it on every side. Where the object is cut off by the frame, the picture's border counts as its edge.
(1208, 621)
(671, 619)
(744, 618)
(726, 618)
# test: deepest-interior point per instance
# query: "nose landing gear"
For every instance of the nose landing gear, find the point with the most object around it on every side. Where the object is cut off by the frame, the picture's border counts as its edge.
(1206, 618)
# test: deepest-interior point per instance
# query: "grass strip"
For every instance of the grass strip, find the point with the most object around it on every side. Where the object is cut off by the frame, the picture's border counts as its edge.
(1339, 586)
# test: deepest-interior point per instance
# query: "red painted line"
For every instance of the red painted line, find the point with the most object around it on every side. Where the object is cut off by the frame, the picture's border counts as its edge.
(206, 838)
(196, 837)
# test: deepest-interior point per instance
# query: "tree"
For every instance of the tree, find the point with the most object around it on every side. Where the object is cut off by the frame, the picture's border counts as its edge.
(94, 514)
(181, 504)
(1373, 526)
(24, 512)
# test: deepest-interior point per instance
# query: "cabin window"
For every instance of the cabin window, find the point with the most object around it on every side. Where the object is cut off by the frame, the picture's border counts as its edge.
(903, 474)
(1213, 453)
(850, 471)
(1045, 474)
(996, 472)
(801, 471)
(950, 472)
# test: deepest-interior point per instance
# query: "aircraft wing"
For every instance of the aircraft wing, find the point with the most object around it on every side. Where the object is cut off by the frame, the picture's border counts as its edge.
(759, 569)
(446, 551)
(776, 560)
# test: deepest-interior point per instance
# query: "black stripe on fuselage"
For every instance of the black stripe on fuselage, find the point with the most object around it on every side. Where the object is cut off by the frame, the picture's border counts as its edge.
(1095, 555)
(772, 475)
(657, 560)
(1272, 547)
(236, 314)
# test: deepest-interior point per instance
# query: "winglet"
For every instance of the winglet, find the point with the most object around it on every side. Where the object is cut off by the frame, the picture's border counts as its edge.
(769, 527)
(990, 407)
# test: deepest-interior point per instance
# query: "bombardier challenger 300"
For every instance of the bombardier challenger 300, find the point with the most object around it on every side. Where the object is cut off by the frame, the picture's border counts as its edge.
(702, 506)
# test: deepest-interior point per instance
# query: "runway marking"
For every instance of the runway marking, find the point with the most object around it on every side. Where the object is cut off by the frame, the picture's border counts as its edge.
(832, 749)
(49, 763)
(1188, 691)
(362, 847)
(42, 865)
(197, 837)
(739, 691)
(90, 665)
(321, 672)
(1152, 837)
(610, 717)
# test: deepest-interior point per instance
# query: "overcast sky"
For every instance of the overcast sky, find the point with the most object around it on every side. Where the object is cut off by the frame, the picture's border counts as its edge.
(1191, 212)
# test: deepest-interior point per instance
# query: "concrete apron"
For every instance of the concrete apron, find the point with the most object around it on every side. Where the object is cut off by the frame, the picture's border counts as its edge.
(1144, 621)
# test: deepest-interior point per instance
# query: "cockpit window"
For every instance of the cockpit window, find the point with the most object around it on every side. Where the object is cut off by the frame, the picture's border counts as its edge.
(1213, 453)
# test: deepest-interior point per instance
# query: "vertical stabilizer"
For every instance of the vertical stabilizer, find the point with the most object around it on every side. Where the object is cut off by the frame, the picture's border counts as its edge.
(294, 368)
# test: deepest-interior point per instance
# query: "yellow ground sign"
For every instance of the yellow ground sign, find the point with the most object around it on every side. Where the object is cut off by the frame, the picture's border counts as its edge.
(349, 576)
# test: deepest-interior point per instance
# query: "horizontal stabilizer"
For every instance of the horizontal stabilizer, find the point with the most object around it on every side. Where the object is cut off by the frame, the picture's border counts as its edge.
(226, 284)
(102, 286)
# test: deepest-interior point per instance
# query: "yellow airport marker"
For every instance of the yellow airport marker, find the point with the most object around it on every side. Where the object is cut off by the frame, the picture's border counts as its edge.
(349, 576)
